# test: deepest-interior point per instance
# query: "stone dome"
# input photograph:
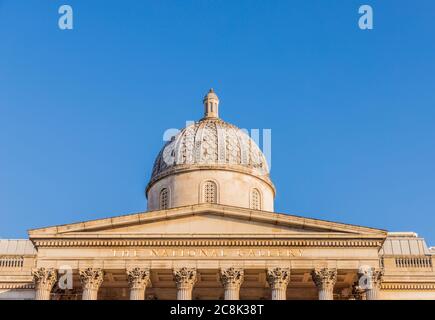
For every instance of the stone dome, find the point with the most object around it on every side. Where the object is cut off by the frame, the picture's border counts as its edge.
(211, 145)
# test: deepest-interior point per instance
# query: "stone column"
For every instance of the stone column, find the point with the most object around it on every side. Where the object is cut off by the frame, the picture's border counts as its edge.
(325, 280)
(357, 292)
(370, 279)
(232, 279)
(138, 279)
(44, 280)
(278, 279)
(91, 280)
(185, 278)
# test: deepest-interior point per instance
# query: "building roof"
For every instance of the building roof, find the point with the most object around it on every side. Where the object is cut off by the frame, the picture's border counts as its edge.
(405, 244)
(16, 247)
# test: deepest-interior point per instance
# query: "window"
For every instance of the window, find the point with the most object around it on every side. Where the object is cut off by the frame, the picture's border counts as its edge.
(164, 198)
(210, 192)
(255, 200)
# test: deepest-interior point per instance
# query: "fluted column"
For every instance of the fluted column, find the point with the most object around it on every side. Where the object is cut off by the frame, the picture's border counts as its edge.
(185, 278)
(232, 279)
(91, 280)
(325, 279)
(370, 279)
(44, 280)
(138, 279)
(278, 279)
(357, 292)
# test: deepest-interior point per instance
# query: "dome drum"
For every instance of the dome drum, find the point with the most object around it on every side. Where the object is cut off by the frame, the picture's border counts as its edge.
(232, 188)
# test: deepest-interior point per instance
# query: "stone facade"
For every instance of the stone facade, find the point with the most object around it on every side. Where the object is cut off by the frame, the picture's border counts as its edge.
(211, 233)
(155, 255)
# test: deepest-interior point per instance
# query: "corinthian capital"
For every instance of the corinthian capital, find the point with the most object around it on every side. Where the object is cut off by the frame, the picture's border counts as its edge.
(44, 278)
(324, 277)
(185, 277)
(278, 277)
(138, 278)
(91, 278)
(370, 278)
(232, 277)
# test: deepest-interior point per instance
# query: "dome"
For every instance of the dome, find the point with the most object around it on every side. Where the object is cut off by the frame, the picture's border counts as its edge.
(210, 146)
(211, 143)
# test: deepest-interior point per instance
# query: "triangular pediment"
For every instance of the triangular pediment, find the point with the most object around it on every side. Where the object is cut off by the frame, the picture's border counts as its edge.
(206, 220)
(207, 223)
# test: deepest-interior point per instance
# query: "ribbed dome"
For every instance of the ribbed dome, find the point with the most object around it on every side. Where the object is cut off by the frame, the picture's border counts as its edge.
(211, 143)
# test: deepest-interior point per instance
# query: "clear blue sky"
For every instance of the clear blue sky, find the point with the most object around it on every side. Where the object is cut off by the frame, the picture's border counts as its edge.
(352, 112)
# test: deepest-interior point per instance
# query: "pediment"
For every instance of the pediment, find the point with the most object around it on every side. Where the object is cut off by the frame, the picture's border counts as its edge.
(207, 223)
(206, 220)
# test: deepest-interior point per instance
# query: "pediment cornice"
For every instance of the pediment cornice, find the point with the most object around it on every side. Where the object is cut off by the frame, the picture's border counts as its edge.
(313, 228)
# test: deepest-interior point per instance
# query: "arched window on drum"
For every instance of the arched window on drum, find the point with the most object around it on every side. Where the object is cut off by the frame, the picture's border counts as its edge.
(209, 192)
(255, 199)
(164, 199)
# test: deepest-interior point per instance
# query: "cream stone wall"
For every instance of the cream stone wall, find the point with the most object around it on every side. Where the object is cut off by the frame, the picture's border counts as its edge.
(233, 188)
(407, 295)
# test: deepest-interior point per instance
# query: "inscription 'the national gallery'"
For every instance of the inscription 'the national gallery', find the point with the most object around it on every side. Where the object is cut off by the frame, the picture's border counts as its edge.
(208, 253)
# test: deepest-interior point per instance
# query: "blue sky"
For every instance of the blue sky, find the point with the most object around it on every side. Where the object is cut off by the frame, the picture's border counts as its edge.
(352, 112)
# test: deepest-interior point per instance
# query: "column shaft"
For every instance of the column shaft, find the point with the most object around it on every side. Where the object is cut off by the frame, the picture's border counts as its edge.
(137, 294)
(89, 294)
(279, 294)
(326, 293)
(372, 294)
(42, 294)
(184, 292)
(232, 292)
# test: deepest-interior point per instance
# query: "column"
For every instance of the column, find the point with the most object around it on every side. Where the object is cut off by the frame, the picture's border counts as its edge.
(278, 279)
(185, 278)
(325, 279)
(138, 279)
(44, 280)
(232, 279)
(357, 292)
(370, 279)
(91, 280)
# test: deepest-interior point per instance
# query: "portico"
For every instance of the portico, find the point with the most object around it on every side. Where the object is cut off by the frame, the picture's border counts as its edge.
(154, 255)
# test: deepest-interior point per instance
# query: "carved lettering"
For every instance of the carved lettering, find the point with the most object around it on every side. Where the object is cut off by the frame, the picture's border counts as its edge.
(209, 253)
